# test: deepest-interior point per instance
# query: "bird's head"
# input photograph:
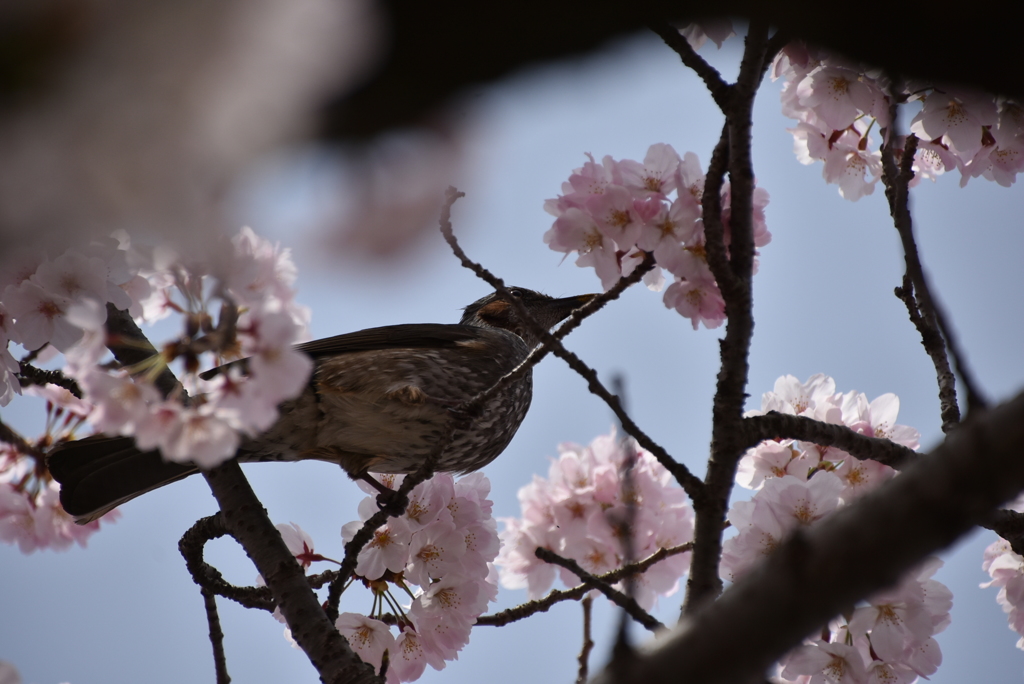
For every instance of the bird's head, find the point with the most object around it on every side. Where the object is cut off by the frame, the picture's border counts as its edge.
(493, 311)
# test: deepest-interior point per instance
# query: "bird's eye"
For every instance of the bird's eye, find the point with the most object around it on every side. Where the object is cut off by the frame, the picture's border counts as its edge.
(516, 293)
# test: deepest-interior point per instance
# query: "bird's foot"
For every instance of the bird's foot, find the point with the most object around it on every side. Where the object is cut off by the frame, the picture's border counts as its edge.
(389, 500)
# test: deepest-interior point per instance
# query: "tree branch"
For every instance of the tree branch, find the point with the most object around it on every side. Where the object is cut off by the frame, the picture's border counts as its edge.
(131, 347)
(721, 92)
(31, 375)
(627, 603)
(246, 520)
(529, 608)
(704, 583)
(860, 549)
(588, 643)
(208, 577)
(220, 663)
(774, 425)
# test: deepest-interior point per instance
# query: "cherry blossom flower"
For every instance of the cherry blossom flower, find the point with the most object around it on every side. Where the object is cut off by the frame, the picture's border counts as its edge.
(826, 663)
(576, 512)
(617, 213)
(369, 638)
(957, 118)
(839, 95)
(445, 543)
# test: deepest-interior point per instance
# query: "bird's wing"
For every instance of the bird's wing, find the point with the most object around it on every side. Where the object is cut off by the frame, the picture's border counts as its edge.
(408, 336)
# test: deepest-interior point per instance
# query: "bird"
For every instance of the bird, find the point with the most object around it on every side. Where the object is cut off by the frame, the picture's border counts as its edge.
(377, 401)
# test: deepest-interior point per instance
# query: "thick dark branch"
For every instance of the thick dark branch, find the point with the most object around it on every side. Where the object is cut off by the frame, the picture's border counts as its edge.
(529, 608)
(859, 550)
(208, 577)
(704, 583)
(131, 347)
(627, 603)
(721, 92)
(220, 663)
(30, 375)
(774, 425)
(246, 520)
(691, 484)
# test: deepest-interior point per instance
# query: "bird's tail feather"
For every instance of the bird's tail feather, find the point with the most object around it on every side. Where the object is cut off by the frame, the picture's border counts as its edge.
(99, 473)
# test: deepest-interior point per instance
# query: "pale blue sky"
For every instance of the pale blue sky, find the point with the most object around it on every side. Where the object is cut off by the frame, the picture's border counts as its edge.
(125, 609)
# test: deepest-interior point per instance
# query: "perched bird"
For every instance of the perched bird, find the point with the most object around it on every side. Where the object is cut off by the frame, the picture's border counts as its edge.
(378, 400)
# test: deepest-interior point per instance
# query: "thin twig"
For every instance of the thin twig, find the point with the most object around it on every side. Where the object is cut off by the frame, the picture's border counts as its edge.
(614, 595)
(691, 484)
(721, 92)
(220, 662)
(588, 642)
(31, 375)
(774, 425)
(556, 596)
(937, 335)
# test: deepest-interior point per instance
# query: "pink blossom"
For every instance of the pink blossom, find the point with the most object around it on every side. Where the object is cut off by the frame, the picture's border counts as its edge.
(434, 551)
(697, 298)
(656, 177)
(73, 277)
(40, 317)
(577, 513)
(861, 477)
(299, 543)
(410, 658)
(198, 436)
(957, 118)
(388, 549)
(369, 638)
(121, 404)
(839, 96)
(616, 215)
(773, 459)
(826, 663)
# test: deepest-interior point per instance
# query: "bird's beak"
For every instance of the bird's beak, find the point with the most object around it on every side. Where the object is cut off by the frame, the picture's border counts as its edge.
(566, 305)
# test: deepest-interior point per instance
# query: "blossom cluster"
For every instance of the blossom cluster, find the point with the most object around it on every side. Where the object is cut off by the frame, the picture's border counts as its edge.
(1006, 568)
(891, 638)
(581, 512)
(445, 544)
(837, 104)
(253, 283)
(60, 305)
(30, 512)
(614, 213)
